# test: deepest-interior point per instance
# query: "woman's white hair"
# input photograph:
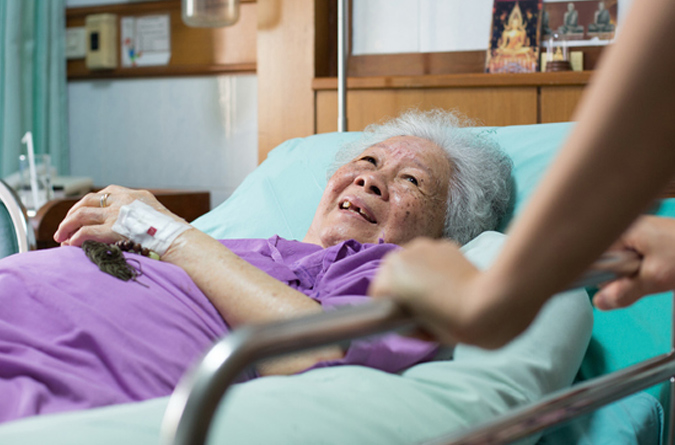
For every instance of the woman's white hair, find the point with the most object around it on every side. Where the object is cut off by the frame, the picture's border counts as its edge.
(481, 187)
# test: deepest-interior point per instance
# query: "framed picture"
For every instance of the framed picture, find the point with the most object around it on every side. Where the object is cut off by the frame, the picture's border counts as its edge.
(514, 40)
(580, 20)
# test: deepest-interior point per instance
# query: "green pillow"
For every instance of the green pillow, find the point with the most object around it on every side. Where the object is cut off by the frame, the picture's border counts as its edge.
(267, 200)
(280, 196)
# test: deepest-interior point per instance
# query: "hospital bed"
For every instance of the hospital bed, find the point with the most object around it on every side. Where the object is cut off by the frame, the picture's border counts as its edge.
(362, 405)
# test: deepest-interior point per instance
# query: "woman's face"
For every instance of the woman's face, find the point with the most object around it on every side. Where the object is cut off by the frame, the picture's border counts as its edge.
(395, 190)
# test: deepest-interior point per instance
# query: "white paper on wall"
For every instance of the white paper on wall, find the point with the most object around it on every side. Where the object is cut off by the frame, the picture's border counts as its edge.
(146, 41)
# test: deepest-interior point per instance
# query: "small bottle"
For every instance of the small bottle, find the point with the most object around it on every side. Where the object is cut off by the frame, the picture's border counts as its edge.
(210, 13)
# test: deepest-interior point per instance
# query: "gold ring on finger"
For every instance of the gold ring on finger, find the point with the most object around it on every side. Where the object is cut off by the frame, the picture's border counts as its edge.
(103, 201)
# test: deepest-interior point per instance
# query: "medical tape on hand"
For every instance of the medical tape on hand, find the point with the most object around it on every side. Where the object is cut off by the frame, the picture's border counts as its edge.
(144, 225)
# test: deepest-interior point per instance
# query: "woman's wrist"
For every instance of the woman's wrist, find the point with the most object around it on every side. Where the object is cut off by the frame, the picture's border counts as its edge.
(488, 297)
(180, 247)
(148, 227)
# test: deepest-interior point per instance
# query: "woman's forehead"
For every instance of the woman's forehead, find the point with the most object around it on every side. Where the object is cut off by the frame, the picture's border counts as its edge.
(420, 151)
(411, 142)
(407, 146)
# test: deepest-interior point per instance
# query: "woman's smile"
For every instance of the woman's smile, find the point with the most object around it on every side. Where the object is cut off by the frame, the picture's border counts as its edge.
(355, 207)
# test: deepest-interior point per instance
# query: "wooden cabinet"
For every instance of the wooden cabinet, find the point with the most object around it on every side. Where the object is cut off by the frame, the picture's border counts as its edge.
(489, 99)
(557, 102)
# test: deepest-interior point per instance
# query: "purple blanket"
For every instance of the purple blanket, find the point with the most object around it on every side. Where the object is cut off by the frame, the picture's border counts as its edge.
(72, 337)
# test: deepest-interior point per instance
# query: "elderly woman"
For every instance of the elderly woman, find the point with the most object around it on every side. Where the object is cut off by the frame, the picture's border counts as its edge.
(72, 337)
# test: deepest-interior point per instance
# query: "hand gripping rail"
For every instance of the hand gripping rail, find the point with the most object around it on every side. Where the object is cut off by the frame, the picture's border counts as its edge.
(195, 399)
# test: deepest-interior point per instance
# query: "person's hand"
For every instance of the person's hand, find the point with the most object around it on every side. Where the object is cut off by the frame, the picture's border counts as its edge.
(653, 238)
(93, 216)
(431, 279)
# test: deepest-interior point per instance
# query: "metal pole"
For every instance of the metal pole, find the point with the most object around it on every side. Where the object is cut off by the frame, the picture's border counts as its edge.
(671, 415)
(23, 231)
(342, 66)
(566, 405)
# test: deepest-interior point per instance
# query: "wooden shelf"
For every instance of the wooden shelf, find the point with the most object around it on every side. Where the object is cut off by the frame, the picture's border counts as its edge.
(194, 51)
(81, 73)
(420, 64)
(488, 99)
(570, 78)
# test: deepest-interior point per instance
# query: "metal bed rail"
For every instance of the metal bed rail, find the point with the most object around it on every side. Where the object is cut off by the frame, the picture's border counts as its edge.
(195, 399)
(566, 405)
(23, 231)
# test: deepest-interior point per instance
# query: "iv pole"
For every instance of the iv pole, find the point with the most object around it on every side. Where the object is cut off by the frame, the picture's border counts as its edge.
(342, 66)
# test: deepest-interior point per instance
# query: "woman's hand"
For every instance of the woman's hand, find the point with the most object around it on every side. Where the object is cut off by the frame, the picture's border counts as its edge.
(653, 238)
(93, 216)
(449, 297)
(430, 278)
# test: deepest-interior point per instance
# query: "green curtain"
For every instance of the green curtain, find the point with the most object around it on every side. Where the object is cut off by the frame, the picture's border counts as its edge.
(33, 91)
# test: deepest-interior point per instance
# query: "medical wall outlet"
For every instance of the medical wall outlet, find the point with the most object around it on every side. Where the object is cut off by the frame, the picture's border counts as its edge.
(76, 43)
(101, 41)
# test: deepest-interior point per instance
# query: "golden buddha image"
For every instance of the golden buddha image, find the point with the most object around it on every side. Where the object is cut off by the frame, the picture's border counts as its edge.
(514, 38)
(513, 51)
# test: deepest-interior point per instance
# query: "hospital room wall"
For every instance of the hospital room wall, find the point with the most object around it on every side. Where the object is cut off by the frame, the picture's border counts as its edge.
(197, 133)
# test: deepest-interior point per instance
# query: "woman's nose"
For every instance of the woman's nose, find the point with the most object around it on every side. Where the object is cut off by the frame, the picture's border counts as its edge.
(373, 182)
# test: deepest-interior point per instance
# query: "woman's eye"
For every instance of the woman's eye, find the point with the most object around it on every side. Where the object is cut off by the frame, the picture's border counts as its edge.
(369, 159)
(412, 179)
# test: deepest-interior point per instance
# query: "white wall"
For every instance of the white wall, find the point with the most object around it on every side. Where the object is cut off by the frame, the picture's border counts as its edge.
(408, 26)
(185, 133)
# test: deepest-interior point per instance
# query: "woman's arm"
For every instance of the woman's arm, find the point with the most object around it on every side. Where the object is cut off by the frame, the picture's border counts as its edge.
(618, 158)
(244, 294)
(240, 292)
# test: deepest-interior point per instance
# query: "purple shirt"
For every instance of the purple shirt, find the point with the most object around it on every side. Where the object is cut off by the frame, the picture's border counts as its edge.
(72, 337)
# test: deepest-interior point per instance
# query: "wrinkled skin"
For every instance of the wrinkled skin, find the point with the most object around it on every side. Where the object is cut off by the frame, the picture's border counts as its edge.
(394, 191)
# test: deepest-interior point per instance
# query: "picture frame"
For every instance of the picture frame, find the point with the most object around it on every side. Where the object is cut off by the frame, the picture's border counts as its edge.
(515, 37)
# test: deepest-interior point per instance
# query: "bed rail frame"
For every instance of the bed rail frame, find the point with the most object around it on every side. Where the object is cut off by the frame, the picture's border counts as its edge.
(23, 231)
(193, 403)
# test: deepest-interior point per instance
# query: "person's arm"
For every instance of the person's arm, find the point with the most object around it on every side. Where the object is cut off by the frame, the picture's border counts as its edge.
(244, 294)
(241, 293)
(654, 239)
(619, 157)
